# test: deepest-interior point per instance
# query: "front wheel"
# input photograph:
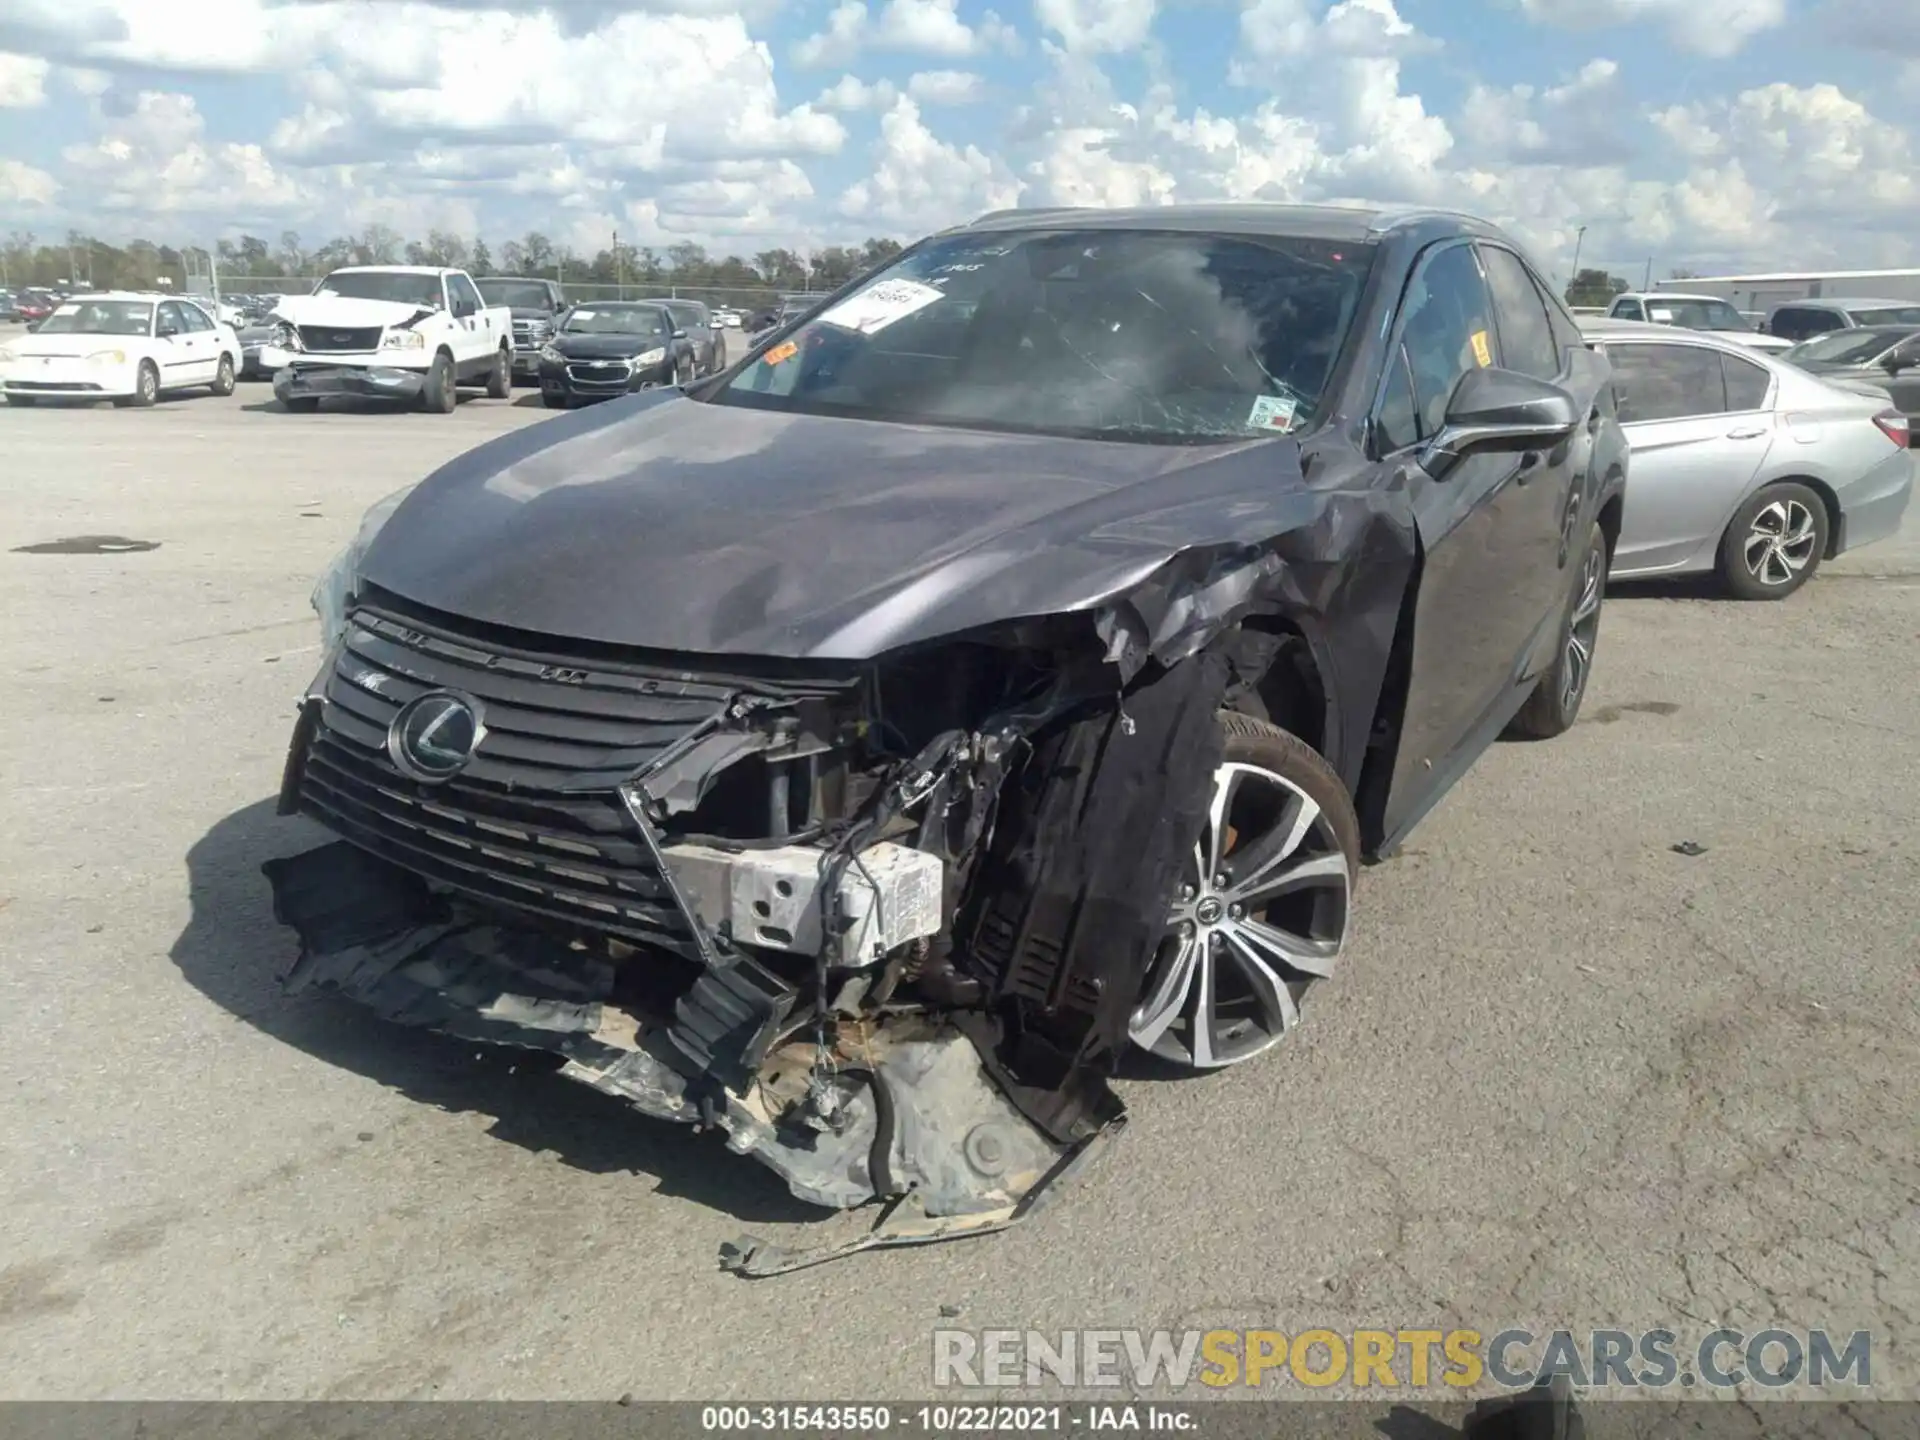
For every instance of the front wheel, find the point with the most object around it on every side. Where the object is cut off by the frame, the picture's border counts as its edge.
(438, 394)
(223, 377)
(1262, 911)
(302, 404)
(553, 401)
(1555, 702)
(146, 385)
(500, 378)
(1774, 544)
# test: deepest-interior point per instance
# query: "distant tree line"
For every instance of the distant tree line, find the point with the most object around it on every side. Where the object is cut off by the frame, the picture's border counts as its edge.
(79, 259)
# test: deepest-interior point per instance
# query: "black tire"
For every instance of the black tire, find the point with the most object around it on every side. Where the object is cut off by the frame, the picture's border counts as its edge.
(223, 377)
(1308, 910)
(146, 386)
(1555, 702)
(553, 401)
(302, 404)
(439, 394)
(1781, 531)
(500, 378)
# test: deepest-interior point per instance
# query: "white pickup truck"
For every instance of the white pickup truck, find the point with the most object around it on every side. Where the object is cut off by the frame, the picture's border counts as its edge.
(391, 332)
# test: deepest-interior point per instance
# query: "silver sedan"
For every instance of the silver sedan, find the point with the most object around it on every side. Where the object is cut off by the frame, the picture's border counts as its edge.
(1745, 465)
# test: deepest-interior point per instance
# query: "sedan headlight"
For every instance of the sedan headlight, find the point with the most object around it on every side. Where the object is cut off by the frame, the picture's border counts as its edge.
(403, 340)
(107, 357)
(651, 357)
(333, 595)
(547, 352)
(7, 355)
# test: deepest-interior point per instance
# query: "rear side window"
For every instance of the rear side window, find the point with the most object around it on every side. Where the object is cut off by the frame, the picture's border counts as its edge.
(1628, 310)
(1797, 324)
(1747, 383)
(1666, 382)
(1526, 336)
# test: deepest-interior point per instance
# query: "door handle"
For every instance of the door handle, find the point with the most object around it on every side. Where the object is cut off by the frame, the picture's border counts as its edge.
(1749, 433)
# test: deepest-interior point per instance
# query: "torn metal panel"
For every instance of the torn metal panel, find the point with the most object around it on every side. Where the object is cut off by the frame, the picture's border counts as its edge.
(911, 1106)
(1070, 901)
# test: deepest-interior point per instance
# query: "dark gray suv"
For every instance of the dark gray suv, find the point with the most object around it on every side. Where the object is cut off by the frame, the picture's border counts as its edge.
(1008, 666)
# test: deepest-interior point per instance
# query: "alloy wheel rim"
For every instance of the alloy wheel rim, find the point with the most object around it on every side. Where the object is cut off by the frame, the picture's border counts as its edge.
(1261, 913)
(1780, 542)
(1584, 628)
(148, 385)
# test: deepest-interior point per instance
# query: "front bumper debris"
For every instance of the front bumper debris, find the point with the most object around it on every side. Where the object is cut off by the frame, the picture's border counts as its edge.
(916, 1117)
(316, 380)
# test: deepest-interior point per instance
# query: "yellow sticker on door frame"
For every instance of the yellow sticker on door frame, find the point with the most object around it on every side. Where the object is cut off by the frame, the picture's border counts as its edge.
(1482, 351)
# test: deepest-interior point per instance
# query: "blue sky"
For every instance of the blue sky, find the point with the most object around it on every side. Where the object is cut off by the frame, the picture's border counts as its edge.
(1697, 133)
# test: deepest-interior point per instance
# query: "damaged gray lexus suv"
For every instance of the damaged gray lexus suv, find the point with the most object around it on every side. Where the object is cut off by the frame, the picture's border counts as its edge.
(1009, 663)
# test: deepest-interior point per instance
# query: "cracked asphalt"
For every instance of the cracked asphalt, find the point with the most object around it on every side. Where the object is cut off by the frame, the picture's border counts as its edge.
(1568, 1077)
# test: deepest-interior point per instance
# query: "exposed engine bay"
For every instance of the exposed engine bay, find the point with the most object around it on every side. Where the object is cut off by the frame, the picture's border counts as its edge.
(880, 924)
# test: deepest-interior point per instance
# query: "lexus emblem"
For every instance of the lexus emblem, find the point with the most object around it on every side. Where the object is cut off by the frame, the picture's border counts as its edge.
(434, 737)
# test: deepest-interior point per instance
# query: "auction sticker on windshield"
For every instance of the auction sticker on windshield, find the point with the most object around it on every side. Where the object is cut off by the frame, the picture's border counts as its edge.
(878, 306)
(1272, 412)
(586, 314)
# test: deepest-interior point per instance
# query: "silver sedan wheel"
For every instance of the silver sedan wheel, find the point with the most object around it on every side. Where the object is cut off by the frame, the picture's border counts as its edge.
(1780, 542)
(1262, 913)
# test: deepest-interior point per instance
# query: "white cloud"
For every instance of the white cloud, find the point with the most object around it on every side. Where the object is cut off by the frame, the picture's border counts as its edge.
(850, 93)
(23, 185)
(922, 27)
(1586, 121)
(921, 183)
(1707, 27)
(946, 87)
(155, 160)
(1097, 25)
(23, 81)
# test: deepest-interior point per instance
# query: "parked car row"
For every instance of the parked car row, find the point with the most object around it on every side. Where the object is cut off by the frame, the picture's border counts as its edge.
(1785, 325)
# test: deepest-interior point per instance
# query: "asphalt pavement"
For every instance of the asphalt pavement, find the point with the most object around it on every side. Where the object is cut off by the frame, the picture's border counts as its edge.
(1570, 1075)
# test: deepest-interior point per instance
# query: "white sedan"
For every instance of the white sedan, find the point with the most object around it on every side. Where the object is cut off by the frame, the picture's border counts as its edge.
(120, 347)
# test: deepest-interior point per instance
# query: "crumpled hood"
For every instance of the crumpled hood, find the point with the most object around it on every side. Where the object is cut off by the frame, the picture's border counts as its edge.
(661, 522)
(345, 311)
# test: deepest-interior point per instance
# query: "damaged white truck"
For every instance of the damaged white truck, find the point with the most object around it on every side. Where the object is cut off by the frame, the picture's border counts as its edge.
(1010, 664)
(409, 333)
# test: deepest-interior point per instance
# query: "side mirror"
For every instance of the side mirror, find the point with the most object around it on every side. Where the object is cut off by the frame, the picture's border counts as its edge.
(1499, 411)
(679, 334)
(32, 325)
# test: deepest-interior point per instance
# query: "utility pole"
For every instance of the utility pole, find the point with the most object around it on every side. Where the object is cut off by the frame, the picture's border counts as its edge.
(619, 268)
(1646, 285)
(1579, 239)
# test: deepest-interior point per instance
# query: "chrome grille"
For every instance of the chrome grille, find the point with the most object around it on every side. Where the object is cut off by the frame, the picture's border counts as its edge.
(534, 822)
(340, 339)
(599, 372)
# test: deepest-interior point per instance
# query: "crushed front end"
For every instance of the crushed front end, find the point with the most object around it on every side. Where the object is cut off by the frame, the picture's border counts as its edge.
(881, 924)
